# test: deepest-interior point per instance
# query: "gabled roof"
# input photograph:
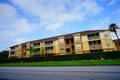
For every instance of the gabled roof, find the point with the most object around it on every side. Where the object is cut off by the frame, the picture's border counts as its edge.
(65, 35)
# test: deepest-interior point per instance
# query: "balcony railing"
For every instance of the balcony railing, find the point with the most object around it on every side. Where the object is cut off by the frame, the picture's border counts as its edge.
(36, 53)
(49, 51)
(95, 46)
(12, 55)
(12, 50)
(48, 44)
(94, 37)
(68, 46)
(36, 46)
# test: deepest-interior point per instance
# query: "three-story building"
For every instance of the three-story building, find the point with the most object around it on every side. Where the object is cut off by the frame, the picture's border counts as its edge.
(77, 43)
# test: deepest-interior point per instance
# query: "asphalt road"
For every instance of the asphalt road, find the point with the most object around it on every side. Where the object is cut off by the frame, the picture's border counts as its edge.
(60, 73)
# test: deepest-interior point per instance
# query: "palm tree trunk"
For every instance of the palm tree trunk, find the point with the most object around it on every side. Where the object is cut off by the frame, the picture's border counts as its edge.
(30, 54)
(117, 35)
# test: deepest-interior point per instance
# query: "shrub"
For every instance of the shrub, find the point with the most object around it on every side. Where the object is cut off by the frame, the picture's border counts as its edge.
(91, 56)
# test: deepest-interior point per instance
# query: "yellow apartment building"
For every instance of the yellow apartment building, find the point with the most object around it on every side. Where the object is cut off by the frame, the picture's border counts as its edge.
(78, 43)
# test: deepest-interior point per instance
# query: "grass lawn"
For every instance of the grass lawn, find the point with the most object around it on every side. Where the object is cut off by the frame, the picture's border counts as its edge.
(67, 63)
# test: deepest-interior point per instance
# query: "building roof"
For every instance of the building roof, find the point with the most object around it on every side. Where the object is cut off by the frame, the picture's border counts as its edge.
(116, 41)
(65, 35)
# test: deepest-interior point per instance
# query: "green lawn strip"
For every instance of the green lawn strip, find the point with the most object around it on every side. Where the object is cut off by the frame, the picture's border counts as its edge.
(66, 63)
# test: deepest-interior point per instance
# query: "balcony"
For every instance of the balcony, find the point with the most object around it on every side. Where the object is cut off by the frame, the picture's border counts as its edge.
(12, 50)
(48, 44)
(36, 46)
(49, 51)
(95, 47)
(68, 46)
(36, 53)
(12, 55)
(94, 37)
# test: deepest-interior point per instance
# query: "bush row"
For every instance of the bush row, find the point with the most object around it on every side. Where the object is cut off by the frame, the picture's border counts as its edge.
(91, 56)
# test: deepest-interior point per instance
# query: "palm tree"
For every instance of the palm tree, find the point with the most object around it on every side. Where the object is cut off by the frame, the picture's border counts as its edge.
(32, 50)
(113, 27)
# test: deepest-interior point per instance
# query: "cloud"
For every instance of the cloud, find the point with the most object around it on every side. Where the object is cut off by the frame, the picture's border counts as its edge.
(51, 12)
(19, 40)
(7, 14)
(22, 26)
(101, 23)
(11, 25)
(112, 2)
(117, 11)
(18, 28)
(54, 26)
(91, 7)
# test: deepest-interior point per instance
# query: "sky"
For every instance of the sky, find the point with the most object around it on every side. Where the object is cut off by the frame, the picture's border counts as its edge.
(26, 20)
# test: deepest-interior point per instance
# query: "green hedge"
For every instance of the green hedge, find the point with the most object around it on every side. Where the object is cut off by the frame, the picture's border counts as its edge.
(91, 56)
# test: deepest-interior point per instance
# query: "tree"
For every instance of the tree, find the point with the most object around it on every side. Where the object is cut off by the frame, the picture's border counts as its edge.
(32, 50)
(4, 54)
(113, 27)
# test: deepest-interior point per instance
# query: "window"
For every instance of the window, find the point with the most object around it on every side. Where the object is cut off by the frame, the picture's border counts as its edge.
(84, 38)
(36, 44)
(56, 42)
(78, 46)
(61, 40)
(77, 38)
(61, 47)
(28, 52)
(106, 35)
(19, 47)
(108, 44)
(19, 53)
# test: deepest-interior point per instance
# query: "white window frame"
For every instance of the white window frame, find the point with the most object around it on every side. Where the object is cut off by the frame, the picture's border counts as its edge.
(108, 44)
(62, 48)
(106, 35)
(19, 53)
(77, 46)
(77, 38)
(56, 43)
(28, 52)
(61, 40)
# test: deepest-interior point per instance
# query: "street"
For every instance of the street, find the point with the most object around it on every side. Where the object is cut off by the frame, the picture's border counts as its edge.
(61, 73)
